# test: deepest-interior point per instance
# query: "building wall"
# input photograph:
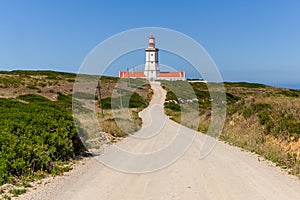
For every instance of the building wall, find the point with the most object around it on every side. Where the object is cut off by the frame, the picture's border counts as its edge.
(151, 66)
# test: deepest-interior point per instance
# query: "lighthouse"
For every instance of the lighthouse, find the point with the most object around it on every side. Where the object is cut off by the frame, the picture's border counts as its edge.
(151, 66)
(151, 70)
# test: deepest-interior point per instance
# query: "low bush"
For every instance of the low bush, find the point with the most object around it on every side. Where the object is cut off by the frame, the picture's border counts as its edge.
(289, 93)
(10, 81)
(259, 118)
(136, 101)
(17, 192)
(171, 96)
(39, 73)
(33, 87)
(33, 98)
(34, 136)
(127, 101)
(173, 106)
(245, 84)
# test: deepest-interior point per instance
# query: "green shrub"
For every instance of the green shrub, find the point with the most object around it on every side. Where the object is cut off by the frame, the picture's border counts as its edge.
(53, 77)
(245, 85)
(34, 135)
(33, 87)
(71, 80)
(136, 101)
(17, 192)
(33, 98)
(6, 197)
(258, 107)
(13, 81)
(106, 103)
(172, 106)
(230, 98)
(171, 96)
(289, 93)
(264, 117)
(107, 79)
(43, 84)
(127, 101)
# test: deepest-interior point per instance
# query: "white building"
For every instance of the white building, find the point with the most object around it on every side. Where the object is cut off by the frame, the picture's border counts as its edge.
(151, 66)
(152, 71)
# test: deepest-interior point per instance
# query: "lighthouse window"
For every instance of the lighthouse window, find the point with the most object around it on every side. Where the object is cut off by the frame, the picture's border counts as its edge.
(151, 62)
(151, 54)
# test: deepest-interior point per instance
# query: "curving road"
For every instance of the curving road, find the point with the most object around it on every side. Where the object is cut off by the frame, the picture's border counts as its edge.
(227, 173)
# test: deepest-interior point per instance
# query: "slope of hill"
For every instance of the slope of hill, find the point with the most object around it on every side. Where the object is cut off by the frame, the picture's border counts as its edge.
(38, 135)
(260, 118)
(160, 167)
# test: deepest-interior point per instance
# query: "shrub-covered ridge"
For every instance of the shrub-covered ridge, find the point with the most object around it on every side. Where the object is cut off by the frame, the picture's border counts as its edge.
(34, 135)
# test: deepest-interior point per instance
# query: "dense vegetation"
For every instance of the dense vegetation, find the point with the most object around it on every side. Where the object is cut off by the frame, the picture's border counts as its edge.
(35, 136)
(38, 135)
(260, 118)
(128, 100)
(245, 85)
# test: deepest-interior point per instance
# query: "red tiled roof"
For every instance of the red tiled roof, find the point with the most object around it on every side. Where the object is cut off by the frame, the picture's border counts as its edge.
(142, 75)
(132, 75)
(171, 74)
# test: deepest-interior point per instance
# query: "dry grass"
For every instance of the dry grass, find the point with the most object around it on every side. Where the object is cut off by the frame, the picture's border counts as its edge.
(278, 139)
(121, 122)
(261, 119)
(45, 87)
(111, 125)
(95, 127)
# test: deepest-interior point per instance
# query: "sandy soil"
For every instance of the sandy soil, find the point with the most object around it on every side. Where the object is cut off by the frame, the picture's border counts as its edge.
(226, 173)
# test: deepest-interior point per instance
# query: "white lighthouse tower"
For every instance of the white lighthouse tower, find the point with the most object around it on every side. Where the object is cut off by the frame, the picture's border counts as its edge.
(151, 67)
(152, 71)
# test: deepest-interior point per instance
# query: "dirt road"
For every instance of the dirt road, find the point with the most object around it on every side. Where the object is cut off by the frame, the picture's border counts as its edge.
(227, 173)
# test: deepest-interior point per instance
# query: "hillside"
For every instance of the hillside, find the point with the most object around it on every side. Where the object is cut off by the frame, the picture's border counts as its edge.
(39, 136)
(157, 165)
(260, 118)
(38, 132)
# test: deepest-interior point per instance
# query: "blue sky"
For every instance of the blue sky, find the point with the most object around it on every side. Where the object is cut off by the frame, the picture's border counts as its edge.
(255, 41)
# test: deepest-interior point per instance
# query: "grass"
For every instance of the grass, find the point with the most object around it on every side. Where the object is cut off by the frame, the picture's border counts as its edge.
(289, 93)
(172, 106)
(120, 126)
(128, 100)
(245, 84)
(17, 192)
(35, 136)
(10, 81)
(260, 118)
(38, 135)
(6, 197)
(39, 73)
(116, 120)
(117, 113)
(33, 98)
(84, 95)
(267, 125)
